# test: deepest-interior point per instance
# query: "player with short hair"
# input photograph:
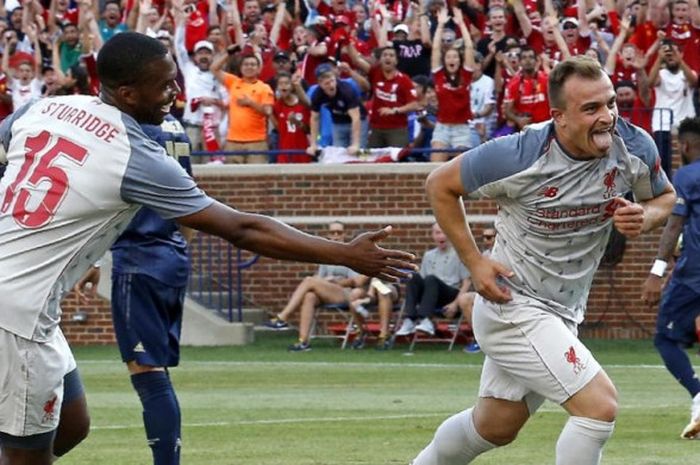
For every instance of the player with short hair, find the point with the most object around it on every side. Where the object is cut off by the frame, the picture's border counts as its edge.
(560, 186)
(676, 326)
(79, 168)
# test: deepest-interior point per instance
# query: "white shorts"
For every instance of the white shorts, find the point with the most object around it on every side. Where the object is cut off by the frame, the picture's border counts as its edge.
(31, 376)
(531, 353)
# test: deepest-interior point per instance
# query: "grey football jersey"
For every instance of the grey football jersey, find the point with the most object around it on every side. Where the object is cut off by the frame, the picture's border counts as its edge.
(555, 212)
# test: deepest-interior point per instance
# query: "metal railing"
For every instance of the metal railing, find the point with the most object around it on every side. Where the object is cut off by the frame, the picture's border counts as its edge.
(216, 279)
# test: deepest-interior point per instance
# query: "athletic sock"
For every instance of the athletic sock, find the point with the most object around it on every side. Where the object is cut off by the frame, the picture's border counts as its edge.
(161, 415)
(678, 363)
(456, 442)
(581, 441)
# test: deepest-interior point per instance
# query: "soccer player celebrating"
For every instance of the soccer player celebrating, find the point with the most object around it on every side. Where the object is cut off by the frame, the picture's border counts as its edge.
(79, 168)
(680, 303)
(560, 186)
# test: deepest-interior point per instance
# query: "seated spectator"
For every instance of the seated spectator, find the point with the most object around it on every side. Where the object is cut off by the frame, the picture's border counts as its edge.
(385, 296)
(342, 98)
(465, 300)
(452, 74)
(525, 100)
(291, 118)
(433, 291)
(332, 284)
(250, 105)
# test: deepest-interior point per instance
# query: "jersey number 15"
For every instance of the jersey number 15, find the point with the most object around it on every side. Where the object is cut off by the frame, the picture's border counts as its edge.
(38, 168)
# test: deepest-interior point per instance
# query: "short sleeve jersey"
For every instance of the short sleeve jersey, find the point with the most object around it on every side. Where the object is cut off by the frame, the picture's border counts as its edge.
(555, 212)
(78, 170)
(687, 184)
(444, 264)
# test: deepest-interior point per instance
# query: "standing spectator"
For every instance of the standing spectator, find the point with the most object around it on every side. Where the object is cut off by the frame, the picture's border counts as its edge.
(525, 101)
(546, 40)
(680, 305)
(635, 100)
(452, 74)
(69, 48)
(673, 84)
(421, 123)
(5, 96)
(393, 98)
(483, 104)
(411, 42)
(433, 291)
(317, 51)
(348, 114)
(494, 42)
(291, 117)
(205, 99)
(250, 105)
(111, 22)
(26, 83)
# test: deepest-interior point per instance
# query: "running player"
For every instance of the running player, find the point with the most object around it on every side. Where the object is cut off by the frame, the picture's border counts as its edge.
(79, 168)
(560, 187)
(676, 326)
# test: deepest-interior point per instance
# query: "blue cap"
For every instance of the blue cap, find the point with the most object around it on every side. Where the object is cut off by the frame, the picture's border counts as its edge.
(323, 68)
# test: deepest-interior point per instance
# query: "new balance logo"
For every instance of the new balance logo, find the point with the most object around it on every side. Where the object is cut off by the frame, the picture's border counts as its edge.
(549, 191)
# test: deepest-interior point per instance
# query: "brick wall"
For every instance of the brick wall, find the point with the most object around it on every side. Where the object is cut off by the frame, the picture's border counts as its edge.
(366, 197)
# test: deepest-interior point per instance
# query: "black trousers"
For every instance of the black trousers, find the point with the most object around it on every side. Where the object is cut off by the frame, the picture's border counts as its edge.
(426, 297)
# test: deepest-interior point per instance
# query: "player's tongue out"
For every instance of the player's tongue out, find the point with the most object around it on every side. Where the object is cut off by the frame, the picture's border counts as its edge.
(602, 139)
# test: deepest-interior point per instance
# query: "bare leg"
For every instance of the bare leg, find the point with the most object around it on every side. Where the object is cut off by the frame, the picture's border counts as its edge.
(70, 433)
(308, 307)
(297, 297)
(438, 156)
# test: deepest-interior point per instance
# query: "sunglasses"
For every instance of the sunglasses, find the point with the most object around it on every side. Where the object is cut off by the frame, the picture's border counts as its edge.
(489, 236)
(336, 231)
(569, 26)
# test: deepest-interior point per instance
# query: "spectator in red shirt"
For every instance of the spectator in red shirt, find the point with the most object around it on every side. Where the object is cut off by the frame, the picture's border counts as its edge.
(621, 68)
(635, 102)
(577, 38)
(452, 74)
(291, 118)
(317, 51)
(393, 97)
(525, 100)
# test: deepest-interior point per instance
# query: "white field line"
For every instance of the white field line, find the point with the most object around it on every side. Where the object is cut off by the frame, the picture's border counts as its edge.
(347, 364)
(547, 408)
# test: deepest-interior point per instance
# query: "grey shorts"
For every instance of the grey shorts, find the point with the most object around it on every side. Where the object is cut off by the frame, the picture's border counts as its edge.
(531, 353)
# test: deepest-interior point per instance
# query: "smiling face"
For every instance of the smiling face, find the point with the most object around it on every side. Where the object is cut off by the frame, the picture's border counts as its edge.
(152, 96)
(587, 120)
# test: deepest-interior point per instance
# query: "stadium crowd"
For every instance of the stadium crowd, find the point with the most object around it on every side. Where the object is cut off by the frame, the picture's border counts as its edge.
(299, 75)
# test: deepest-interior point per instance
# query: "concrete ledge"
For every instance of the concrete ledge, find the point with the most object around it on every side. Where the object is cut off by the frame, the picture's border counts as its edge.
(200, 327)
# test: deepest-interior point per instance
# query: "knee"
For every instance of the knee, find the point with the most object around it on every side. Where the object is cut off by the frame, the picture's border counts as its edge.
(431, 280)
(356, 293)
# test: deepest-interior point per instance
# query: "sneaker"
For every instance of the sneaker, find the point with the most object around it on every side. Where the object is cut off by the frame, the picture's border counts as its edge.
(383, 343)
(300, 346)
(473, 348)
(277, 324)
(362, 311)
(426, 326)
(692, 431)
(407, 327)
(359, 342)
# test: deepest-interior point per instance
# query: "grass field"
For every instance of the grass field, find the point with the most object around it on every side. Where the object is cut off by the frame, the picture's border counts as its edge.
(259, 405)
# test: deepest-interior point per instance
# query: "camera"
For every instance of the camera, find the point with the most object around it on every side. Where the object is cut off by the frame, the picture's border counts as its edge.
(190, 8)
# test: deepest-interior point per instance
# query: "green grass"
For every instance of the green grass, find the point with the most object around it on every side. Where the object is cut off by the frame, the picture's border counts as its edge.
(259, 405)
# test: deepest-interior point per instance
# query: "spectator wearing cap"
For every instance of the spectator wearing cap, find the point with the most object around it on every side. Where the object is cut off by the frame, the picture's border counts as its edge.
(673, 82)
(111, 21)
(205, 98)
(280, 63)
(342, 98)
(526, 101)
(393, 97)
(250, 106)
(576, 32)
(483, 104)
(452, 74)
(291, 118)
(412, 44)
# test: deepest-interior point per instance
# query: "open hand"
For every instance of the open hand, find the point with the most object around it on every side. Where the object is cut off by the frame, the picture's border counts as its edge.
(366, 257)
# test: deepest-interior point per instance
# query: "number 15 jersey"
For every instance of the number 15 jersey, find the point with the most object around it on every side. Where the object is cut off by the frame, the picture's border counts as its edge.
(78, 170)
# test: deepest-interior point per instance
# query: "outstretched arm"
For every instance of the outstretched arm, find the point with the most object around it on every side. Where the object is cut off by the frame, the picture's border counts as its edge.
(267, 236)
